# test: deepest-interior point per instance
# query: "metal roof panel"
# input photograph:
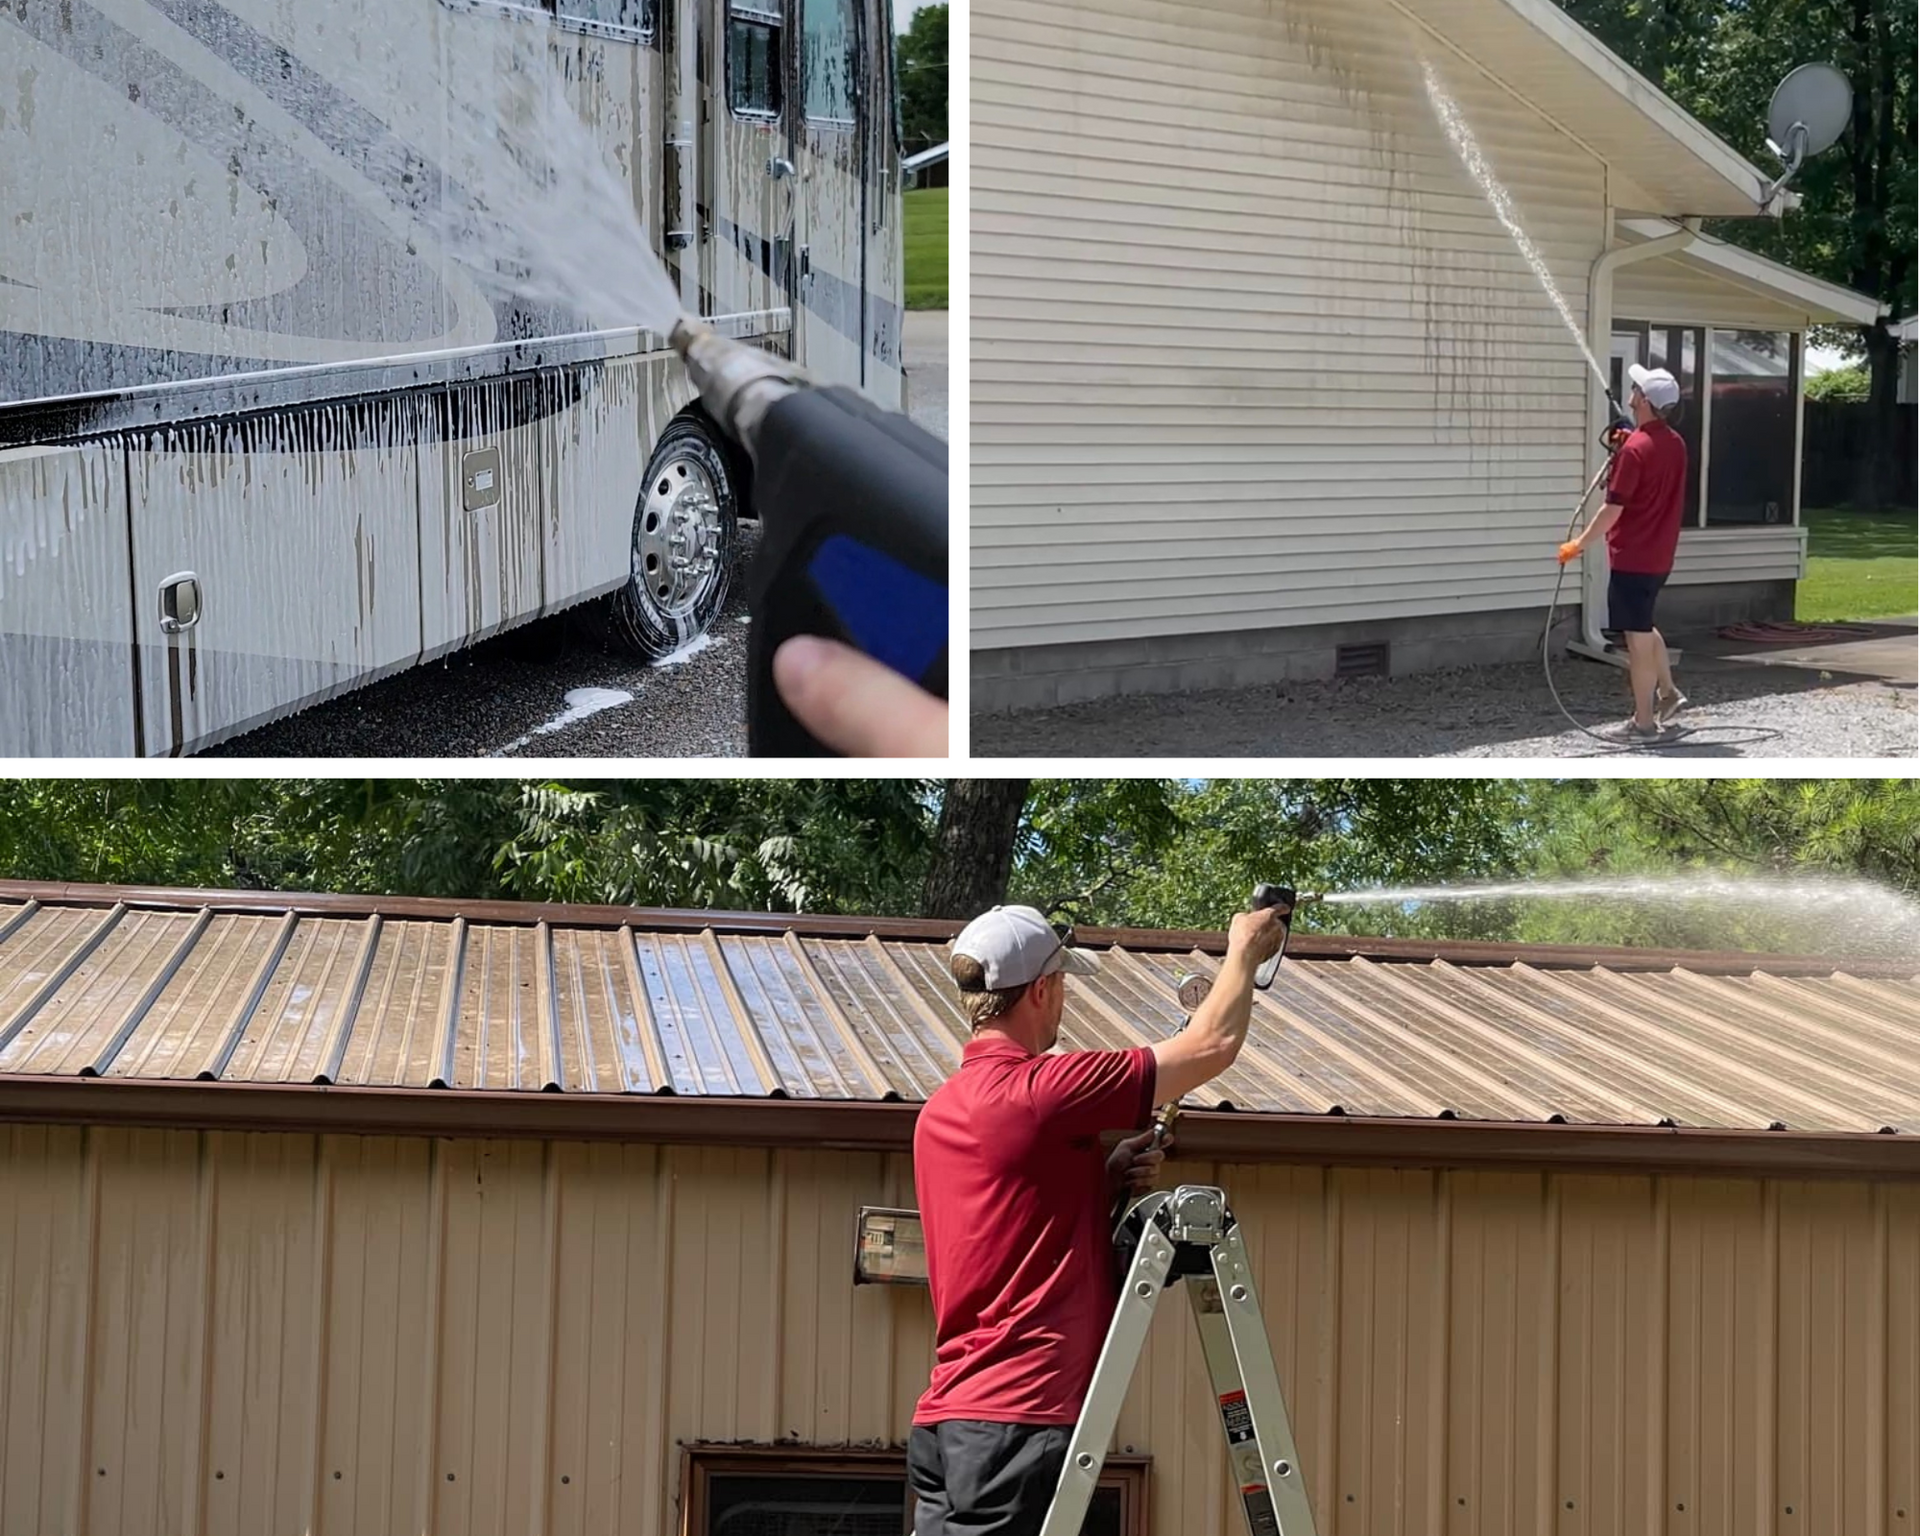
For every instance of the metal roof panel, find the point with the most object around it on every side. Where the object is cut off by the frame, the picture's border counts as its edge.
(418, 995)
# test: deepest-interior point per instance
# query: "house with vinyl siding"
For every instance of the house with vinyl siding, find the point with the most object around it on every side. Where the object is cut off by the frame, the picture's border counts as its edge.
(1261, 386)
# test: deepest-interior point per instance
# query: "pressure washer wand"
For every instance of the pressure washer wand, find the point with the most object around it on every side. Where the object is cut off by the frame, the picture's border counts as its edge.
(853, 510)
(1193, 986)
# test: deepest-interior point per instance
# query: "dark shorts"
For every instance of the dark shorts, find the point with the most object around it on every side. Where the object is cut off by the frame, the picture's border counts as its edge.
(984, 1479)
(1630, 601)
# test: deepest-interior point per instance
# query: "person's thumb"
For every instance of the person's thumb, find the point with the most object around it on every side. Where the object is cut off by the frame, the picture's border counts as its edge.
(855, 704)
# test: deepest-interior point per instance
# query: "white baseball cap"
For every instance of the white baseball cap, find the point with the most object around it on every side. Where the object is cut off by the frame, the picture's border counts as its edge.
(1659, 386)
(1016, 945)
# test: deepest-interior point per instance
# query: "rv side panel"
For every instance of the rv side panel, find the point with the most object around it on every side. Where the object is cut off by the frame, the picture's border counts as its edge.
(66, 636)
(302, 528)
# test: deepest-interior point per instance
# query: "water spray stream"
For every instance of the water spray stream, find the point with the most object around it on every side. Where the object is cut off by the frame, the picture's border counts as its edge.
(1447, 110)
(1844, 915)
(529, 203)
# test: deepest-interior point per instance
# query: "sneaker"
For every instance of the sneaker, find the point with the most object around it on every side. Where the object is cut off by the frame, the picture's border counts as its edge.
(1667, 705)
(1630, 731)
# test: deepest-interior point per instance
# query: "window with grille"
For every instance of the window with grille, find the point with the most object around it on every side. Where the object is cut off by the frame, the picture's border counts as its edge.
(753, 58)
(627, 18)
(798, 1491)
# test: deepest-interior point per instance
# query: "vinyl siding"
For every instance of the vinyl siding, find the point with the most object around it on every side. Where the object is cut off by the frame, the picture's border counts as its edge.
(1708, 555)
(247, 1333)
(1249, 347)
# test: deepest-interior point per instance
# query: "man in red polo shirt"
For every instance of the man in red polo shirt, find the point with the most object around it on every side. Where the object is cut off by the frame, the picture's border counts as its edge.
(1015, 1195)
(1646, 497)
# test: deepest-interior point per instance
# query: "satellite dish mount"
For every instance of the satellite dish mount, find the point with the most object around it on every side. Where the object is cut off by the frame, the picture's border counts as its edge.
(1810, 111)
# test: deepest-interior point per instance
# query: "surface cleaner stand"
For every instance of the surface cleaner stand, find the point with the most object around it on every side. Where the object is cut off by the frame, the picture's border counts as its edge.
(1190, 1235)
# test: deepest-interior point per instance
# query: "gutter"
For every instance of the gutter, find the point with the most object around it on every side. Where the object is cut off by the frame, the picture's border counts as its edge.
(1593, 592)
(800, 1124)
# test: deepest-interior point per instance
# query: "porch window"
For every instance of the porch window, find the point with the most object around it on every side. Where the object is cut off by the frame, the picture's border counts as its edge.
(1678, 350)
(832, 61)
(1756, 382)
(799, 1491)
(753, 59)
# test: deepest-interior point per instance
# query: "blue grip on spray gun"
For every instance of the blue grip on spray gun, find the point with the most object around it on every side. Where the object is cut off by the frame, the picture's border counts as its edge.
(853, 547)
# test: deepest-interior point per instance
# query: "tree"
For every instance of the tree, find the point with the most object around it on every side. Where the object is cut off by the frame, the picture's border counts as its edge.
(920, 58)
(1185, 854)
(1763, 855)
(1721, 61)
(857, 845)
(973, 848)
(1851, 383)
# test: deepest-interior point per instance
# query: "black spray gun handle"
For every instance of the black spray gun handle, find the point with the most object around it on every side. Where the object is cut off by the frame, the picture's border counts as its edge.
(1194, 986)
(853, 546)
(1265, 896)
(853, 524)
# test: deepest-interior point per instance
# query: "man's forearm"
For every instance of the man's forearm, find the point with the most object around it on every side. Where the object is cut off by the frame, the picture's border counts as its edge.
(1597, 529)
(1228, 1009)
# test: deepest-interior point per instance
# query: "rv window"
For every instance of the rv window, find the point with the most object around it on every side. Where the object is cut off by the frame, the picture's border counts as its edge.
(832, 60)
(753, 61)
(628, 17)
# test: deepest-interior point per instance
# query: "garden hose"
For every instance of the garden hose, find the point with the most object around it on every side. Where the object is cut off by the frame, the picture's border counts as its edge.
(1731, 735)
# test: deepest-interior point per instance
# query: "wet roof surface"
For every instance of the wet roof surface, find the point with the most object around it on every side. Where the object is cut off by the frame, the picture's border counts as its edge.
(149, 990)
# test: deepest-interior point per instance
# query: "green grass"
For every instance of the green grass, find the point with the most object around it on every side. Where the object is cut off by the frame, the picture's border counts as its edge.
(1860, 565)
(926, 241)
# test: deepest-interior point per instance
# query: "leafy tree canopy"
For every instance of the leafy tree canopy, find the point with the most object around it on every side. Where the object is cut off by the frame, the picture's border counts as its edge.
(1135, 852)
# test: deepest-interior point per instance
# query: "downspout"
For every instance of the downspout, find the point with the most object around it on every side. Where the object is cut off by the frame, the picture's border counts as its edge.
(1593, 593)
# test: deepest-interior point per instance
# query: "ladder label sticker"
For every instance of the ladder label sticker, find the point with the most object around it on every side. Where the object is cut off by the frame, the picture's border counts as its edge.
(1237, 1418)
(1261, 1517)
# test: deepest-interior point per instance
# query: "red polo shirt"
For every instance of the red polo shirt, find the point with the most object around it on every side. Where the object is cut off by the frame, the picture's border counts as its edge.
(1014, 1203)
(1649, 484)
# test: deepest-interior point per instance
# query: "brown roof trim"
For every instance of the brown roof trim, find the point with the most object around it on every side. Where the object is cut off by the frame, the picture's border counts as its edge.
(1218, 1136)
(1305, 946)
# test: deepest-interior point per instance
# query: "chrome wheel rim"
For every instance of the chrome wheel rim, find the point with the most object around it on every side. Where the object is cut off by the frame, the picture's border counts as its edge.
(676, 536)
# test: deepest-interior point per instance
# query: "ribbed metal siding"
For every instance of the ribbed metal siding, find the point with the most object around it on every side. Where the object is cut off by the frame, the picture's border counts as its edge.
(1250, 348)
(130, 992)
(511, 1337)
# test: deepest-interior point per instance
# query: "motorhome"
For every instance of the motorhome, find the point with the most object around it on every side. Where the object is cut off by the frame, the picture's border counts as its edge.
(264, 438)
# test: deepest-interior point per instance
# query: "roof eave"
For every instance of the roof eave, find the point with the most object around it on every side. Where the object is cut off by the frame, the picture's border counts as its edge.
(1823, 301)
(664, 1119)
(1728, 170)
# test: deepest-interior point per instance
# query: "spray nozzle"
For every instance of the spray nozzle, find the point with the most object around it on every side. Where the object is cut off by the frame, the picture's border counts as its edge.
(737, 383)
(1619, 424)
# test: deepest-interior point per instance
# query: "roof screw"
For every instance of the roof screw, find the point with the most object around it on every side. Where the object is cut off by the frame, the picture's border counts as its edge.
(1238, 1293)
(1083, 1460)
(1281, 1469)
(1144, 1288)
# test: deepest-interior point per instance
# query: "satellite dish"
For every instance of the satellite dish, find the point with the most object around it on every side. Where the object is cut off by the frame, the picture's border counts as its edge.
(1816, 98)
(1810, 111)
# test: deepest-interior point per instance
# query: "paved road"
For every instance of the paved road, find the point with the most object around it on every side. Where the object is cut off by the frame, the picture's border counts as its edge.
(927, 375)
(510, 696)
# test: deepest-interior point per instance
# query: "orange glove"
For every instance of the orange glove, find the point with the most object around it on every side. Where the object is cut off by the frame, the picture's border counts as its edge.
(1569, 551)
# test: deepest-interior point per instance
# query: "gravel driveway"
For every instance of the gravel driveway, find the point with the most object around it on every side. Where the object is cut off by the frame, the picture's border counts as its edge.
(1501, 711)
(504, 697)
(510, 696)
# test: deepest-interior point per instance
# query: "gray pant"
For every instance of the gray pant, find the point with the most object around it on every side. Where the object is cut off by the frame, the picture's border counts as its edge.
(972, 1478)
